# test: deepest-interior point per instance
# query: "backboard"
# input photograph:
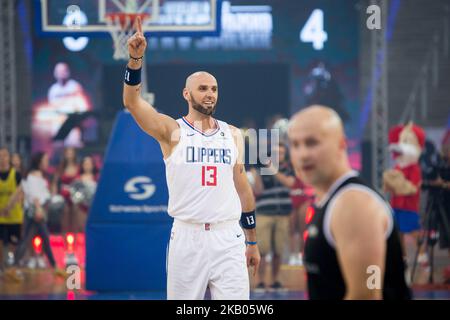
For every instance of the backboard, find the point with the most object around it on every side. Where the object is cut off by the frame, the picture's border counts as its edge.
(167, 17)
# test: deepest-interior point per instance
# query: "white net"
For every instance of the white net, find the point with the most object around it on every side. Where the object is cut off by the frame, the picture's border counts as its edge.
(120, 30)
(120, 24)
(131, 6)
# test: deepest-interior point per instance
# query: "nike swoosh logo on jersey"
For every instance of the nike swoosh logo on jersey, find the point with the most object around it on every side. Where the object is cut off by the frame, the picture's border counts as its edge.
(239, 235)
(190, 134)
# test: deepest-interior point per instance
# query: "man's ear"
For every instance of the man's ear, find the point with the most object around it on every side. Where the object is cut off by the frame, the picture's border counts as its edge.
(186, 94)
(343, 143)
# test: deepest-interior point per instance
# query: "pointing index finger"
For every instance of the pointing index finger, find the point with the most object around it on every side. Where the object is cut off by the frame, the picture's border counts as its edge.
(139, 25)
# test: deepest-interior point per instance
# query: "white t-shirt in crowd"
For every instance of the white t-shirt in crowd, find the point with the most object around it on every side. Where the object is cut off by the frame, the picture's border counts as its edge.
(35, 187)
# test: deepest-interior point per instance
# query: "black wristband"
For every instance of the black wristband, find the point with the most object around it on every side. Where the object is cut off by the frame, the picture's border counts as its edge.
(248, 220)
(132, 76)
(136, 59)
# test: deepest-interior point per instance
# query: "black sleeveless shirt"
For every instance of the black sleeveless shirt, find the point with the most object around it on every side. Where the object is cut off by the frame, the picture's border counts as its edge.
(325, 280)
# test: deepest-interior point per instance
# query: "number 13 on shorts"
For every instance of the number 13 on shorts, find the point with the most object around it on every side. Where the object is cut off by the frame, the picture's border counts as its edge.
(209, 176)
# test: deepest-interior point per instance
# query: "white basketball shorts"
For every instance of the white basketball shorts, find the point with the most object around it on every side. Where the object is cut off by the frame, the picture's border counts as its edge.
(207, 255)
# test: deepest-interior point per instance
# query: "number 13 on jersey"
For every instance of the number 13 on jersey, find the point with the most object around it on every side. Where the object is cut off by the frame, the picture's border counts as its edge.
(209, 176)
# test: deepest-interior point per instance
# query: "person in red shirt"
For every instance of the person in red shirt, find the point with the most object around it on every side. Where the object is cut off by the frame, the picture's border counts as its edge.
(67, 172)
(301, 196)
(88, 177)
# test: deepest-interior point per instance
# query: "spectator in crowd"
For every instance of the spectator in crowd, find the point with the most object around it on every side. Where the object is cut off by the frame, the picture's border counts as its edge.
(37, 196)
(273, 208)
(66, 174)
(443, 188)
(17, 163)
(11, 212)
(88, 177)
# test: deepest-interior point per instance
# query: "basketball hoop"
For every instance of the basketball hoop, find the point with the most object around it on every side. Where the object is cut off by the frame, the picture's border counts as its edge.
(120, 26)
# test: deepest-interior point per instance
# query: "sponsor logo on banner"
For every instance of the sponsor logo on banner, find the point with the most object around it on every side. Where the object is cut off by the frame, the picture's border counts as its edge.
(138, 188)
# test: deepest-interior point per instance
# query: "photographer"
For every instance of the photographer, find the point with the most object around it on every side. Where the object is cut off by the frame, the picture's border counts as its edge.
(443, 183)
(436, 187)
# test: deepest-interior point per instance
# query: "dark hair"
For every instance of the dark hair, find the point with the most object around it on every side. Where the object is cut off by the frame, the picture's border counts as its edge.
(63, 164)
(94, 169)
(286, 150)
(9, 155)
(21, 170)
(36, 161)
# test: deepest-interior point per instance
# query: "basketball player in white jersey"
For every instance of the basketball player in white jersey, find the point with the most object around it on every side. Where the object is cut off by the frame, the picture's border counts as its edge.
(208, 189)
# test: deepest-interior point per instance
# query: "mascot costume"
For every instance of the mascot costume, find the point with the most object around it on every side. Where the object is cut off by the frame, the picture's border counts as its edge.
(404, 180)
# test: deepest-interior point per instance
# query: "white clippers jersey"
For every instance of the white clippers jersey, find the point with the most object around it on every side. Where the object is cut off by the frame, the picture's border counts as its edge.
(199, 175)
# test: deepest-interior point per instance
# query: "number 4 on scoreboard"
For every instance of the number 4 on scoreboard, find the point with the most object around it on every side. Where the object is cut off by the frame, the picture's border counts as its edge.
(313, 30)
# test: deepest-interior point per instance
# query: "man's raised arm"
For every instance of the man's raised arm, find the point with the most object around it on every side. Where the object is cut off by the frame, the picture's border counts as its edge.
(151, 121)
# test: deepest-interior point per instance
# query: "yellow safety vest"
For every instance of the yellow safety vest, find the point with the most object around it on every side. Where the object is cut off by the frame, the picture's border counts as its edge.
(7, 189)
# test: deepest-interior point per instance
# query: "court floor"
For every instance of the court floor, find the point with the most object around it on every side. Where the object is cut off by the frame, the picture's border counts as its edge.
(42, 284)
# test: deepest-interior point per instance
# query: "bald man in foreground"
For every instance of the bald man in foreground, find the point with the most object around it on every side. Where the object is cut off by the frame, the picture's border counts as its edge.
(208, 189)
(352, 250)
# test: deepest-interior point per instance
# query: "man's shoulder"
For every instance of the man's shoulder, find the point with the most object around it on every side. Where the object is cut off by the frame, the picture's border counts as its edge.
(360, 203)
(53, 87)
(72, 82)
(234, 130)
(73, 85)
(229, 124)
(357, 218)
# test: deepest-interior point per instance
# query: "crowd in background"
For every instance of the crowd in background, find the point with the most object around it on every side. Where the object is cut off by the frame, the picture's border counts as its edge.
(39, 200)
(283, 208)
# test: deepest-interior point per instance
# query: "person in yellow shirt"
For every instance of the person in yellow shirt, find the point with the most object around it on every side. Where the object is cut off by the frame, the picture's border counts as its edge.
(11, 212)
